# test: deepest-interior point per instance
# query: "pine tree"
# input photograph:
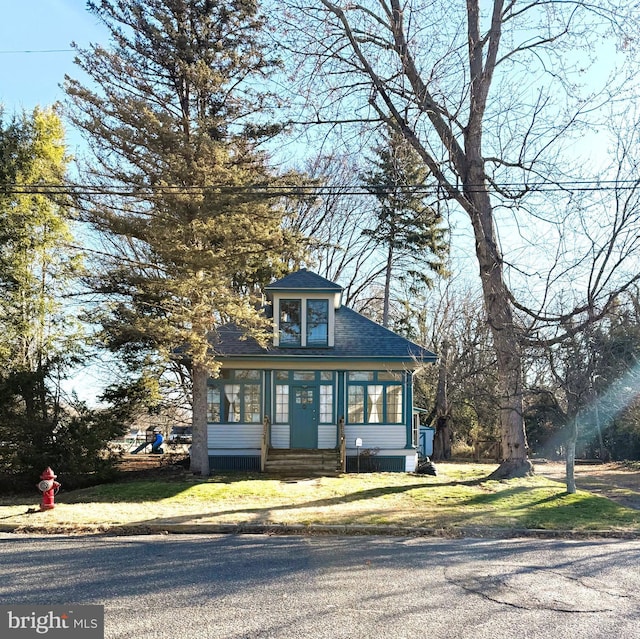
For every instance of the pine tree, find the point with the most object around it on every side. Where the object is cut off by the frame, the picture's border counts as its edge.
(176, 124)
(410, 230)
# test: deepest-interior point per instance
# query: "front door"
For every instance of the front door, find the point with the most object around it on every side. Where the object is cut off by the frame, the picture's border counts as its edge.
(304, 417)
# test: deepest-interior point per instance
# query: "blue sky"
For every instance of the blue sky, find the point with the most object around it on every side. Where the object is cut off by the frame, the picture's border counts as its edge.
(35, 52)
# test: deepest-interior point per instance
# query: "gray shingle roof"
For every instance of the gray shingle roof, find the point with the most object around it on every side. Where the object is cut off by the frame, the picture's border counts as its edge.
(356, 337)
(304, 280)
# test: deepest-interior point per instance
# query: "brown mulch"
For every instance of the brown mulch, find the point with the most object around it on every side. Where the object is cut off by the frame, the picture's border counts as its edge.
(613, 480)
(168, 466)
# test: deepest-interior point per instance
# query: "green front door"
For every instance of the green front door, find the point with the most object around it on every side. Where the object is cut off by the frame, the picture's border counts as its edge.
(304, 417)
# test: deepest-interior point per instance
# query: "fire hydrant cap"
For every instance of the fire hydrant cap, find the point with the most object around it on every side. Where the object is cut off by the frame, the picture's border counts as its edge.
(47, 473)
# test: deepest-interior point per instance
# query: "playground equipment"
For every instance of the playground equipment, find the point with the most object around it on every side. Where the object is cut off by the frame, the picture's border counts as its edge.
(154, 439)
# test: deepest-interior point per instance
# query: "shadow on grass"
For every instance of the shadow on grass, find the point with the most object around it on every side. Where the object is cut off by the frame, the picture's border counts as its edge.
(258, 510)
(157, 490)
(514, 494)
(505, 508)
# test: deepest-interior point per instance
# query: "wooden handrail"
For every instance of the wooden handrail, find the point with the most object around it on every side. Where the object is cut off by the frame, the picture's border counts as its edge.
(265, 443)
(343, 445)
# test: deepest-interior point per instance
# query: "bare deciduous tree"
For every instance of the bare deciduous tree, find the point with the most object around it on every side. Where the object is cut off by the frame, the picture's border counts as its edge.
(489, 95)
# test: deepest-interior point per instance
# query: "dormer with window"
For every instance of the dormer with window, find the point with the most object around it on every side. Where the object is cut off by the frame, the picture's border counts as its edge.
(304, 306)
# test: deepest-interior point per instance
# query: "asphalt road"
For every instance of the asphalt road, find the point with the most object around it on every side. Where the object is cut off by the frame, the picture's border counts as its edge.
(233, 587)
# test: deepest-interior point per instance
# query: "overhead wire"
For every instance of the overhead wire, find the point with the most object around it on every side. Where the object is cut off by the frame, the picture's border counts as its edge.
(275, 190)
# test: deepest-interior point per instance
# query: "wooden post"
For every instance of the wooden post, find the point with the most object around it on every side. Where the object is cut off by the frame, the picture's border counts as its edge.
(265, 443)
(343, 445)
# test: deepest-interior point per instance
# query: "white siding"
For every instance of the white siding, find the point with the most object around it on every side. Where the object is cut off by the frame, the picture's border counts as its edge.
(327, 436)
(412, 462)
(234, 435)
(377, 436)
(280, 435)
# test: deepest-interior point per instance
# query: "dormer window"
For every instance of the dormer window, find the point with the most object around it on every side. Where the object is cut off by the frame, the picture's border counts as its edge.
(304, 311)
(290, 323)
(317, 322)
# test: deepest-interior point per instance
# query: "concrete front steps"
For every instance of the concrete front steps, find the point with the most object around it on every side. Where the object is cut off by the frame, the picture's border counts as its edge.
(303, 462)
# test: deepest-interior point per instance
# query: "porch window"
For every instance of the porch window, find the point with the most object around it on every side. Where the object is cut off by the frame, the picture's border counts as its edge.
(213, 405)
(317, 322)
(375, 405)
(235, 398)
(374, 397)
(356, 405)
(394, 404)
(282, 403)
(231, 405)
(326, 404)
(251, 401)
(290, 323)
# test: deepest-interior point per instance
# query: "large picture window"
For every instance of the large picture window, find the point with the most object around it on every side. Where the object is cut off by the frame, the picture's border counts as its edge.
(374, 397)
(290, 323)
(235, 398)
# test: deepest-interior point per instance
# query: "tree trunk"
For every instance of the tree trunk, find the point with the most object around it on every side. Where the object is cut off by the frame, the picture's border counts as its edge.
(442, 440)
(387, 288)
(497, 300)
(199, 446)
(571, 457)
(442, 436)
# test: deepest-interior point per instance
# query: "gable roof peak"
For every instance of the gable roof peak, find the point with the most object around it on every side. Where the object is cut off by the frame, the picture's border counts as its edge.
(304, 280)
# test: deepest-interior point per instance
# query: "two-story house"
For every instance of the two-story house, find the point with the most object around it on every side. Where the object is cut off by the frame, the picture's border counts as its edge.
(331, 381)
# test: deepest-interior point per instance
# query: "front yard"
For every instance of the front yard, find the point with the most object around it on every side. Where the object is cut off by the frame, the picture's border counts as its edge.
(459, 499)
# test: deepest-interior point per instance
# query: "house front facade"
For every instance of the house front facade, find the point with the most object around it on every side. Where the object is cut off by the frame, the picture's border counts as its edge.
(331, 380)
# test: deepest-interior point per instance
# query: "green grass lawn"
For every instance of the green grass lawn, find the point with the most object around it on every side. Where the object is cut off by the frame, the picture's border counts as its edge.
(459, 497)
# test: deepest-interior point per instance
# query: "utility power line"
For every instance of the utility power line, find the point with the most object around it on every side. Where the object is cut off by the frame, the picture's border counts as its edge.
(36, 51)
(275, 190)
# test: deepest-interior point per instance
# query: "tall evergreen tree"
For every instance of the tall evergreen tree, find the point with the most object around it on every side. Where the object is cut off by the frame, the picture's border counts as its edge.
(176, 123)
(407, 227)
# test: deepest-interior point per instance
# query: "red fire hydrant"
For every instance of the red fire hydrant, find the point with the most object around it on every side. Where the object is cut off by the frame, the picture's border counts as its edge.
(49, 488)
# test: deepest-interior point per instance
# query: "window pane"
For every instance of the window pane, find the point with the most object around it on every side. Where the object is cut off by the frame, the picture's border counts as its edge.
(392, 376)
(213, 405)
(326, 376)
(361, 376)
(355, 405)
(247, 374)
(317, 322)
(290, 323)
(326, 404)
(375, 399)
(231, 403)
(304, 376)
(394, 404)
(282, 375)
(252, 403)
(282, 404)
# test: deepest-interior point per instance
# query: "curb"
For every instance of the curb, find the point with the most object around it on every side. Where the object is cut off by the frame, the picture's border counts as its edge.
(317, 530)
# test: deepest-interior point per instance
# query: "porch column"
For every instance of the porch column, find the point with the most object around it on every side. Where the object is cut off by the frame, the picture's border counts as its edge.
(408, 407)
